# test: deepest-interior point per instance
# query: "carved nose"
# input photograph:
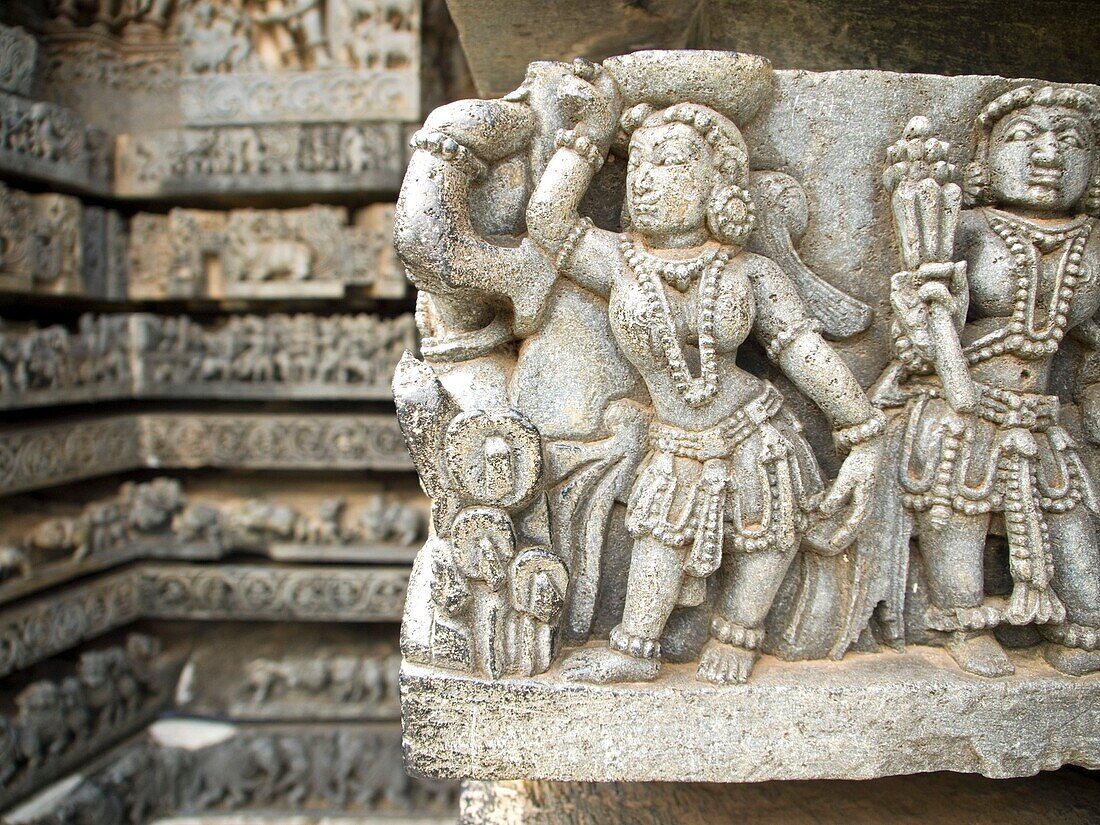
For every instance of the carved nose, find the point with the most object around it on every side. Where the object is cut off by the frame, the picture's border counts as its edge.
(1046, 150)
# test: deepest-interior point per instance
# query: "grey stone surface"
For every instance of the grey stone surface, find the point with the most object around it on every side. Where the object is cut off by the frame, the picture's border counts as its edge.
(941, 799)
(18, 54)
(55, 453)
(873, 715)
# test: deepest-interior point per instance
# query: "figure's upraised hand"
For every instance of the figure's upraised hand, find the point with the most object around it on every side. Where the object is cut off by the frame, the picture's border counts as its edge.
(592, 100)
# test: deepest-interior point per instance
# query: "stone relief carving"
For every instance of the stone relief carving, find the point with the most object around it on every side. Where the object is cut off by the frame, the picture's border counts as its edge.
(38, 456)
(142, 355)
(343, 680)
(62, 720)
(625, 196)
(320, 593)
(39, 139)
(706, 437)
(18, 54)
(110, 16)
(269, 768)
(156, 518)
(308, 61)
(54, 245)
(336, 157)
(37, 628)
(258, 254)
(995, 275)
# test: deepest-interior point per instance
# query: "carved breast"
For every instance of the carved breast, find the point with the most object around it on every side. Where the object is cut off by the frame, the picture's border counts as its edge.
(636, 324)
(994, 276)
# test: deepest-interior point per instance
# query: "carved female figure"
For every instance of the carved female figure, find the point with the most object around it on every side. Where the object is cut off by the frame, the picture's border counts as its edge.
(1032, 276)
(728, 483)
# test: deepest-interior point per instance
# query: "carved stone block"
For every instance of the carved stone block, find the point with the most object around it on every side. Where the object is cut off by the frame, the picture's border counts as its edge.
(648, 321)
(49, 143)
(333, 60)
(357, 157)
(41, 243)
(46, 624)
(18, 54)
(37, 456)
(304, 253)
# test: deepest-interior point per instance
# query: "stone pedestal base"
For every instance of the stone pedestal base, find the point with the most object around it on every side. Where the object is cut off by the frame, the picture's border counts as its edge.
(868, 716)
(1066, 797)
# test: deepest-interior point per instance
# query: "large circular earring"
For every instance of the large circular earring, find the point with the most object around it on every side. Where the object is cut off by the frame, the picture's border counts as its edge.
(731, 215)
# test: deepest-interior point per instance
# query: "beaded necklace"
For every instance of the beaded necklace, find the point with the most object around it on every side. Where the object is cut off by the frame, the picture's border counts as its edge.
(652, 273)
(1026, 242)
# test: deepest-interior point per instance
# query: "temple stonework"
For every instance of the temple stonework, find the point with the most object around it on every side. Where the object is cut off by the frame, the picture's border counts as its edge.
(420, 411)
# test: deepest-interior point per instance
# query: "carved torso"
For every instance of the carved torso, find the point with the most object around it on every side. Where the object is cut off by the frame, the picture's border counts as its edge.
(633, 323)
(995, 278)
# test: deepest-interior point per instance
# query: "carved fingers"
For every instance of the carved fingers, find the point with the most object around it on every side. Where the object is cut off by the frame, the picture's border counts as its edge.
(591, 98)
(854, 485)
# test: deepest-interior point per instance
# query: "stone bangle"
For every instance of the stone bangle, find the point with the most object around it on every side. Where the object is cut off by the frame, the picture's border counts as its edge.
(448, 149)
(581, 145)
(863, 432)
(784, 338)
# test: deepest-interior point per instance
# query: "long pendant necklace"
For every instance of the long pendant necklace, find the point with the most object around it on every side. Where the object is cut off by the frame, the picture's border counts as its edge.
(1026, 243)
(652, 273)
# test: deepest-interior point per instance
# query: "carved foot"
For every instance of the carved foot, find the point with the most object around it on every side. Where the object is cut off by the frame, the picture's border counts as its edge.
(979, 653)
(603, 666)
(1072, 660)
(725, 664)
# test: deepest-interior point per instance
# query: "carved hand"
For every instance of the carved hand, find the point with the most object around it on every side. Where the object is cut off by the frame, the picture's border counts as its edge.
(854, 483)
(593, 100)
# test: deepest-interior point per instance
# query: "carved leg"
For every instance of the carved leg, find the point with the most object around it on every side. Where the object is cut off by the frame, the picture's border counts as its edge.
(953, 566)
(1072, 647)
(634, 652)
(749, 582)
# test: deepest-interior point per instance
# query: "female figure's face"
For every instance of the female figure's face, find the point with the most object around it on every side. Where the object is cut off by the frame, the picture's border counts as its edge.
(668, 181)
(1040, 158)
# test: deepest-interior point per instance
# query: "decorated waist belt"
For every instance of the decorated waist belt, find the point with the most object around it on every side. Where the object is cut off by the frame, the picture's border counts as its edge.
(701, 524)
(718, 441)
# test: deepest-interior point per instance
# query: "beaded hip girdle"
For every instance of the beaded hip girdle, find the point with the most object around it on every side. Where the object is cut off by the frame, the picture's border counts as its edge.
(1011, 457)
(750, 472)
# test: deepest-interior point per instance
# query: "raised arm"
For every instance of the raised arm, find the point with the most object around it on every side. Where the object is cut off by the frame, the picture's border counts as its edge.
(580, 251)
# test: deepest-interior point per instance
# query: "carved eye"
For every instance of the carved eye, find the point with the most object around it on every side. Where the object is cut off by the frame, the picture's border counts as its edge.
(1021, 131)
(1071, 139)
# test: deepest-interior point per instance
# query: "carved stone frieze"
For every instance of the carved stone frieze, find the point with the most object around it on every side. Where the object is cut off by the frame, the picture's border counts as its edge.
(46, 624)
(310, 252)
(18, 55)
(60, 722)
(47, 142)
(250, 356)
(53, 244)
(359, 157)
(37, 456)
(155, 519)
(754, 454)
(318, 593)
(329, 60)
(36, 629)
(265, 672)
(189, 768)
